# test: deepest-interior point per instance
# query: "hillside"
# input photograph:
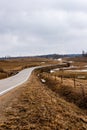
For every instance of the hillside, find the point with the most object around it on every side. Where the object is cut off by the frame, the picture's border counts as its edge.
(35, 106)
(44, 102)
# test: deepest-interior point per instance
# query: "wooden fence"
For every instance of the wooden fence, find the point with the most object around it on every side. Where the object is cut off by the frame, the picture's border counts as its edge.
(75, 81)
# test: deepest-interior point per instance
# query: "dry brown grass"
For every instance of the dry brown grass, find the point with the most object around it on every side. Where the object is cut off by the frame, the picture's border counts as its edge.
(42, 106)
(78, 61)
(3, 75)
(75, 94)
(70, 74)
(36, 107)
(11, 66)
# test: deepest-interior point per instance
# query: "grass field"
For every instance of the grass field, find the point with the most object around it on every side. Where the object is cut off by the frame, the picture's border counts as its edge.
(45, 103)
(10, 67)
(78, 61)
(37, 106)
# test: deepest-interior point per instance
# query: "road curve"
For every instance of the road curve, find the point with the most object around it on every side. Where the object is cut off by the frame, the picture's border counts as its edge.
(14, 81)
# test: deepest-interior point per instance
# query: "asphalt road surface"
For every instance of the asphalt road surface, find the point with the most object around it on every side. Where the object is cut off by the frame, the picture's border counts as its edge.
(14, 81)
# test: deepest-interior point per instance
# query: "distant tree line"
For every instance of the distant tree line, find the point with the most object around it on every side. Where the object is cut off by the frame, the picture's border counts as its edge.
(84, 53)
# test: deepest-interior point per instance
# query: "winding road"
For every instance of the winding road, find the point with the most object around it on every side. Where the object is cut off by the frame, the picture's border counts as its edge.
(14, 81)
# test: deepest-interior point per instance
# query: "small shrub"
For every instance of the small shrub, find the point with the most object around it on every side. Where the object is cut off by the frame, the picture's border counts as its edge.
(1, 70)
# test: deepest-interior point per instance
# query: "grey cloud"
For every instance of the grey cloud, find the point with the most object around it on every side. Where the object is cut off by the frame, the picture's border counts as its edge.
(29, 27)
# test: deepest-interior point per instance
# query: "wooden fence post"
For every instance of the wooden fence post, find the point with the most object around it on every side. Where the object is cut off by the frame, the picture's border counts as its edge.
(74, 82)
(61, 79)
(47, 75)
(55, 76)
(83, 91)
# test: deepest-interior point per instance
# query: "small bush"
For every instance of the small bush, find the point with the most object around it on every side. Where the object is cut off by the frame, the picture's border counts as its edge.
(1, 70)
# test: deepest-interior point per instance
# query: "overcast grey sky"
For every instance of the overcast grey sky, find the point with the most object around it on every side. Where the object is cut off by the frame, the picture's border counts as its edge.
(33, 27)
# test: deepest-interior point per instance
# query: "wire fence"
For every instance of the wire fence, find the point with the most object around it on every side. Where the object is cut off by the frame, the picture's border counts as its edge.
(75, 81)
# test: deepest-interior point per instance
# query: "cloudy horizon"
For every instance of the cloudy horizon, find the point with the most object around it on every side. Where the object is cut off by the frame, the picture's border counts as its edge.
(42, 27)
